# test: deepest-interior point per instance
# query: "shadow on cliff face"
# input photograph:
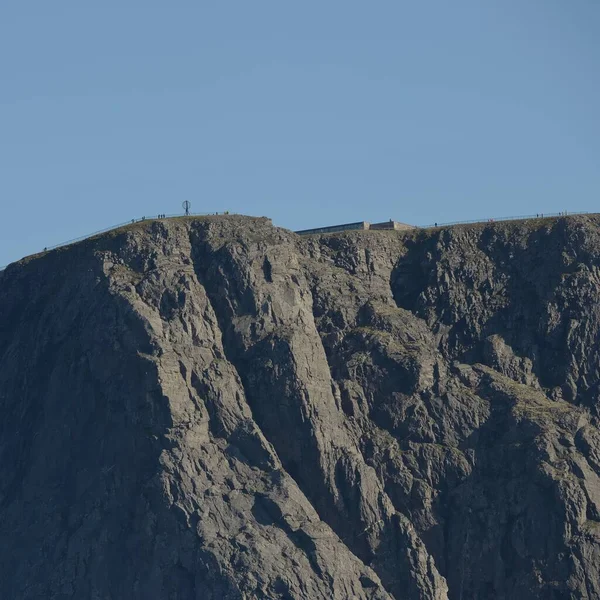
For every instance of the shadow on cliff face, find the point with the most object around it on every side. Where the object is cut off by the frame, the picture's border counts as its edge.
(502, 535)
(480, 465)
(524, 302)
(82, 431)
(269, 353)
(516, 525)
(281, 361)
(535, 288)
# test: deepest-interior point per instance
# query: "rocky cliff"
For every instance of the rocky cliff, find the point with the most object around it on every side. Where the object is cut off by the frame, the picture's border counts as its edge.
(220, 409)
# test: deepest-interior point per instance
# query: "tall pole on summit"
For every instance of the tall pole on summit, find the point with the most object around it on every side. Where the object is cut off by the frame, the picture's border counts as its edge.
(186, 206)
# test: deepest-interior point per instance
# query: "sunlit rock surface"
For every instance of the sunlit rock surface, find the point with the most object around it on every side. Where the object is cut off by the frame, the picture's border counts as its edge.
(218, 408)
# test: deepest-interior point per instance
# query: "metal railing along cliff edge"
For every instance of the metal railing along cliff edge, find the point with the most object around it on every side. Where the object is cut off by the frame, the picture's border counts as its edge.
(431, 226)
(496, 219)
(111, 228)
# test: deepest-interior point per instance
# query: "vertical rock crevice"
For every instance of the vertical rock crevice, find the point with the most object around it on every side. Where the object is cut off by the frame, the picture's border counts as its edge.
(270, 336)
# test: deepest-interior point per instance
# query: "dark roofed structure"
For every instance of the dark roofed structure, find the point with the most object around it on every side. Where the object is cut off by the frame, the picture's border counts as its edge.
(359, 225)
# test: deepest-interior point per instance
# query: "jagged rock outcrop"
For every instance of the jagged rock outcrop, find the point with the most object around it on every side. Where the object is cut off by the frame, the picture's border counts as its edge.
(218, 408)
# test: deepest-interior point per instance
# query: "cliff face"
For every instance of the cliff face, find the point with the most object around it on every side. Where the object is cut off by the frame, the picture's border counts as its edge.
(217, 408)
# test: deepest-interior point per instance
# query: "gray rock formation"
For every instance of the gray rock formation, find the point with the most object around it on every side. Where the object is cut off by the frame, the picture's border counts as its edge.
(217, 408)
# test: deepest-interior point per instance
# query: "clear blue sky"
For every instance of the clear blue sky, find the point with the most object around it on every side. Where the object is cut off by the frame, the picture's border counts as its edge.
(309, 112)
